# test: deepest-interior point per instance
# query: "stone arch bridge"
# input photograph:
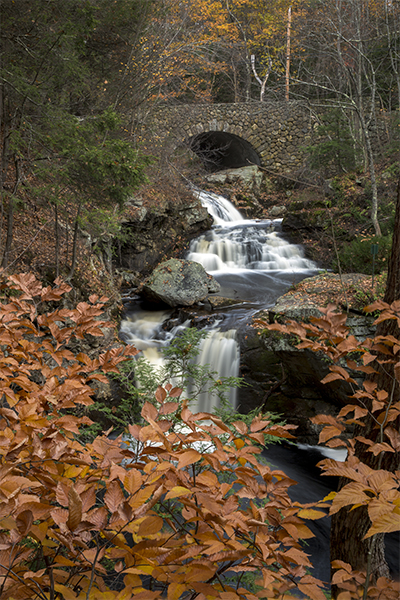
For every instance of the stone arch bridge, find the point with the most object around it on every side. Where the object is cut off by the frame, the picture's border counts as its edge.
(269, 134)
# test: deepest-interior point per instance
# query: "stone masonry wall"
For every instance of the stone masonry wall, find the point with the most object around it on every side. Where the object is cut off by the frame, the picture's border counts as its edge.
(278, 131)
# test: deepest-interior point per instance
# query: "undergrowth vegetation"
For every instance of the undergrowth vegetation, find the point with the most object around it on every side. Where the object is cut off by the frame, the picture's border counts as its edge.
(184, 509)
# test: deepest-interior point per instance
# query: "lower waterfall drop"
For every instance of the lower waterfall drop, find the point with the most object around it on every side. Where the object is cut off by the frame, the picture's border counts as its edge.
(219, 350)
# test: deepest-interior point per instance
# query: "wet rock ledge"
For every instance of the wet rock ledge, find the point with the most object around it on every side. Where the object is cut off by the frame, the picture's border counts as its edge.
(287, 380)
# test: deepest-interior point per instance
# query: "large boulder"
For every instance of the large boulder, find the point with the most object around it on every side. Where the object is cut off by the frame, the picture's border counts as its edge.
(179, 283)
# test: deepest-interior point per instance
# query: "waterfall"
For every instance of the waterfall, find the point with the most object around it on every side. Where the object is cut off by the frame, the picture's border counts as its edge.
(219, 350)
(236, 243)
(250, 260)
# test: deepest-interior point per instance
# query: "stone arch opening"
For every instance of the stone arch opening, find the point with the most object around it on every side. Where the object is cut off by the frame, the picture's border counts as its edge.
(220, 150)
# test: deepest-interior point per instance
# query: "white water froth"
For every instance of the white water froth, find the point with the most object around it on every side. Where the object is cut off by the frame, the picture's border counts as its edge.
(222, 211)
(219, 350)
(236, 243)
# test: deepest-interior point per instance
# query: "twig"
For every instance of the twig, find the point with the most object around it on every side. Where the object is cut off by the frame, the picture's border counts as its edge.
(339, 267)
(273, 389)
(25, 249)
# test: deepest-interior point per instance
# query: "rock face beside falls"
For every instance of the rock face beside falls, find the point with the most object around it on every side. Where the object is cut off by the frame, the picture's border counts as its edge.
(179, 283)
(151, 232)
(287, 380)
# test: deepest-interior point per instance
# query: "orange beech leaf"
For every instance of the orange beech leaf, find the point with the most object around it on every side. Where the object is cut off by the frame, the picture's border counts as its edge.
(175, 590)
(149, 410)
(258, 424)
(114, 496)
(394, 437)
(168, 407)
(311, 514)
(160, 396)
(207, 478)
(188, 458)
(24, 522)
(98, 516)
(311, 591)
(383, 505)
(150, 525)
(74, 509)
(376, 405)
(240, 426)
(386, 523)
(177, 492)
(370, 386)
(117, 472)
(332, 377)
(353, 494)
(329, 432)
(67, 592)
(378, 448)
(175, 392)
(133, 481)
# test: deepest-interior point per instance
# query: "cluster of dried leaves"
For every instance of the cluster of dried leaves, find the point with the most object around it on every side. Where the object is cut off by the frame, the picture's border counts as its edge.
(183, 511)
(74, 518)
(373, 409)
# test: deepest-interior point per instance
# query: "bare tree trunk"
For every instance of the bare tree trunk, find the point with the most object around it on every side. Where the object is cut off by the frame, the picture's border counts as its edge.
(10, 216)
(74, 243)
(289, 23)
(57, 239)
(372, 175)
(262, 82)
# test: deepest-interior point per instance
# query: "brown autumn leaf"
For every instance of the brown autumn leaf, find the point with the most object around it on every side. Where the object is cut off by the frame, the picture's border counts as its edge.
(394, 437)
(353, 494)
(160, 396)
(168, 407)
(175, 392)
(150, 411)
(188, 457)
(386, 523)
(74, 509)
(24, 522)
(114, 496)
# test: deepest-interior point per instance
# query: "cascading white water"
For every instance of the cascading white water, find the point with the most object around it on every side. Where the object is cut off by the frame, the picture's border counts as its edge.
(243, 243)
(249, 253)
(221, 210)
(219, 350)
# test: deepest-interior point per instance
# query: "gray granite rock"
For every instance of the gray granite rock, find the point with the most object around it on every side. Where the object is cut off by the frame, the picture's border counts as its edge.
(179, 283)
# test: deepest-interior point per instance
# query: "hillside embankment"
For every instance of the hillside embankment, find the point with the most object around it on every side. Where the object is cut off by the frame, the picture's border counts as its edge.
(329, 217)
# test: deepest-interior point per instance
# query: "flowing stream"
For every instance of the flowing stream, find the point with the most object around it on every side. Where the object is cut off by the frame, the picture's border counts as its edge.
(254, 265)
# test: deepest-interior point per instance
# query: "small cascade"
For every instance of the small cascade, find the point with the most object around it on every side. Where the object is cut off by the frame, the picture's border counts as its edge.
(251, 261)
(218, 207)
(220, 349)
(237, 243)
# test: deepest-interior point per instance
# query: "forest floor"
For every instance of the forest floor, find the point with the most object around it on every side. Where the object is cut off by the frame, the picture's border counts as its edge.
(351, 290)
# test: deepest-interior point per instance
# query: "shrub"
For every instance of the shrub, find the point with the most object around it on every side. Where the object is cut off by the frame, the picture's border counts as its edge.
(158, 514)
(356, 257)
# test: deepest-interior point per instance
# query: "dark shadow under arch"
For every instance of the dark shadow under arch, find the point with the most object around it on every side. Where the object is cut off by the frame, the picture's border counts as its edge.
(221, 150)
